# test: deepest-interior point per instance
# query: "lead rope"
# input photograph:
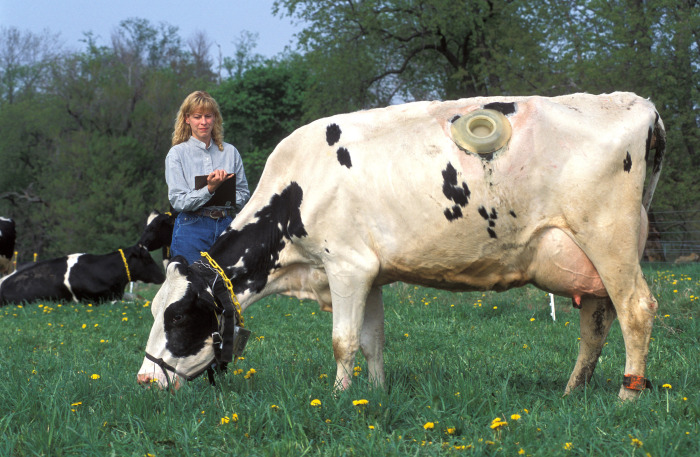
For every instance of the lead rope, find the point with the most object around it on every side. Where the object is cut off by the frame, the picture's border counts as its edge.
(227, 283)
(126, 266)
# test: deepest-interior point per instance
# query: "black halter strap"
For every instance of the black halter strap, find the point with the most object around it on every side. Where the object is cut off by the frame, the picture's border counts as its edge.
(228, 347)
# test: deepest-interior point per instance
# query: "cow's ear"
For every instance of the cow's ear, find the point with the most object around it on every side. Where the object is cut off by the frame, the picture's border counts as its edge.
(179, 264)
(205, 299)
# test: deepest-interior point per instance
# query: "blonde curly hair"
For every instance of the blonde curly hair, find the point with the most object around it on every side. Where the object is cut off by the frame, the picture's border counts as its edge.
(198, 102)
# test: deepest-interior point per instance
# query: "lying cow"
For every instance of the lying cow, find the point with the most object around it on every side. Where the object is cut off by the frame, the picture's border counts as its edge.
(158, 233)
(7, 244)
(692, 257)
(353, 202)
(81, 277)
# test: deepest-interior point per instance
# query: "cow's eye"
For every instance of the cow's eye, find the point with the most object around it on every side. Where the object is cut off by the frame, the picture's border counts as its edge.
(177, 318)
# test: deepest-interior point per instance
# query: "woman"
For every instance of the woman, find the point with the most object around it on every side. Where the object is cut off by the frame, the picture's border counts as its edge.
(199, 150)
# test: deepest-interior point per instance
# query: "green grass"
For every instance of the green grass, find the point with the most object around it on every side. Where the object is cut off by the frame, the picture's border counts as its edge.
(457, 361)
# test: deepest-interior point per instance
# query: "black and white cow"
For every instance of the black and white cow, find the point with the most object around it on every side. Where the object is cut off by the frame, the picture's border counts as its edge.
(81, 277)
(158, 233)
(473, 194)
(7, 244)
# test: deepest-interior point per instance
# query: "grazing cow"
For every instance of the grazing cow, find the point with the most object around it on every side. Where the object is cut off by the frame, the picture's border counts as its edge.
(7, 244)
(353, 202)
(159, 233)
(81, 277)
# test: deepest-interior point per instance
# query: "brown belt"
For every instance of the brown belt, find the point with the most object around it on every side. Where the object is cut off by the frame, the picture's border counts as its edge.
(215, 213)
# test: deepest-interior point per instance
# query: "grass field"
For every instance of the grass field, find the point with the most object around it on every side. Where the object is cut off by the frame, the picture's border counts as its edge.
(454, 363)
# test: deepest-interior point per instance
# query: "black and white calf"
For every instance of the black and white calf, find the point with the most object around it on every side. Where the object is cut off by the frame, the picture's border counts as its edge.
(7, 244)
(158, 233)
(81, 277)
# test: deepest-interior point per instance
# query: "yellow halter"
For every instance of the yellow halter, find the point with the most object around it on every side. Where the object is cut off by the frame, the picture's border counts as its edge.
(126, 266)
(227, 283)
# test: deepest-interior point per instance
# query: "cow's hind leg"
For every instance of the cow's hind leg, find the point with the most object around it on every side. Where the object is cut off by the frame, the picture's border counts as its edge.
(636, 316)
(372, 338)
(596, 317)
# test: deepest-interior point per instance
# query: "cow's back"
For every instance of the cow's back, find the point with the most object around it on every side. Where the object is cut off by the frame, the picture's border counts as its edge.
(43, 280)
(393, 182)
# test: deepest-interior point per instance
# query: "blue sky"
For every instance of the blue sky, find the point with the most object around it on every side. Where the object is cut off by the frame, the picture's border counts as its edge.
(223, 21)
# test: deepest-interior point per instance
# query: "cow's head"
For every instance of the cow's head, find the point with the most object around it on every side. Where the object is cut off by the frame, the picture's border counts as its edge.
(158, 231)
(190, 323)
(142, 267)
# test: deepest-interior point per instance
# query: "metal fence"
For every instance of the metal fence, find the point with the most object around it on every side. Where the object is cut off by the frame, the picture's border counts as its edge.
(674, 237)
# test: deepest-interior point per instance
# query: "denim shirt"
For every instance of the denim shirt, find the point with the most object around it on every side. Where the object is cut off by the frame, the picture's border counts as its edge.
(192, 158)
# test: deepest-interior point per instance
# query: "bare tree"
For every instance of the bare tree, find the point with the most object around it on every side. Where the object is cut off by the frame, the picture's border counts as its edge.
(25, 58)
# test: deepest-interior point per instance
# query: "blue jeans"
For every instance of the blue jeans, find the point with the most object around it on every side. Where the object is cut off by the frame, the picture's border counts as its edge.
(193, 234)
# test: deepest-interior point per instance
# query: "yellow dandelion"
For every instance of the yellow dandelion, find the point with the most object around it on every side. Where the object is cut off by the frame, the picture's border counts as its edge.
(234, 417)
(274, 407)
(450, 431)
(497, 423)
(429, 426)
(225, 420)
(77, 403)
(521, 451)
(532, 319)
(636, 442)
(250, 373)
(322, 376)
(371, 427)
(315, 402)
(84, 325)
(515, 417)
(568, 446)
(666, 386)
(124, 319)
(95, 376)
(361, 402)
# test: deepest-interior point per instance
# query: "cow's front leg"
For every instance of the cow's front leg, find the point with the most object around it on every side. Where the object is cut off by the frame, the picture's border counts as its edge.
(346, 342)
(372, 337)
(596, 317)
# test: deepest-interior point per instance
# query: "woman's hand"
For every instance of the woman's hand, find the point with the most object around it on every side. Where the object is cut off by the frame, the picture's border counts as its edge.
(215, 179)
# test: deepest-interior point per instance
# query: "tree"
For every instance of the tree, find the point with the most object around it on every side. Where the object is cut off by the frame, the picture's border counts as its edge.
(24, 61)
(261, 107)
(373, 52)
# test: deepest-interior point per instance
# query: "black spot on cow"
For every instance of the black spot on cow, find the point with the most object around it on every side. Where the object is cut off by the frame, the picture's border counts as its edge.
(453, 213)
(344, 157)
(459, 193)
(512, 213)
(332, 134)
(252, 252)
(627, 163)
(650, 135)
(490, 218)
(454, 119)
(503, 108)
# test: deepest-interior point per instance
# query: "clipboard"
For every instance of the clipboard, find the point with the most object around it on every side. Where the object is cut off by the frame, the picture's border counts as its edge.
(225, 195)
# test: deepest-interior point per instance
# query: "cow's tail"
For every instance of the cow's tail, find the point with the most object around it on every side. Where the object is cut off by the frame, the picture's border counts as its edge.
(657, 142)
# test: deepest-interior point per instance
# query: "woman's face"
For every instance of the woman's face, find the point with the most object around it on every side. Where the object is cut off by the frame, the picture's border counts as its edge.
(201, 124)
